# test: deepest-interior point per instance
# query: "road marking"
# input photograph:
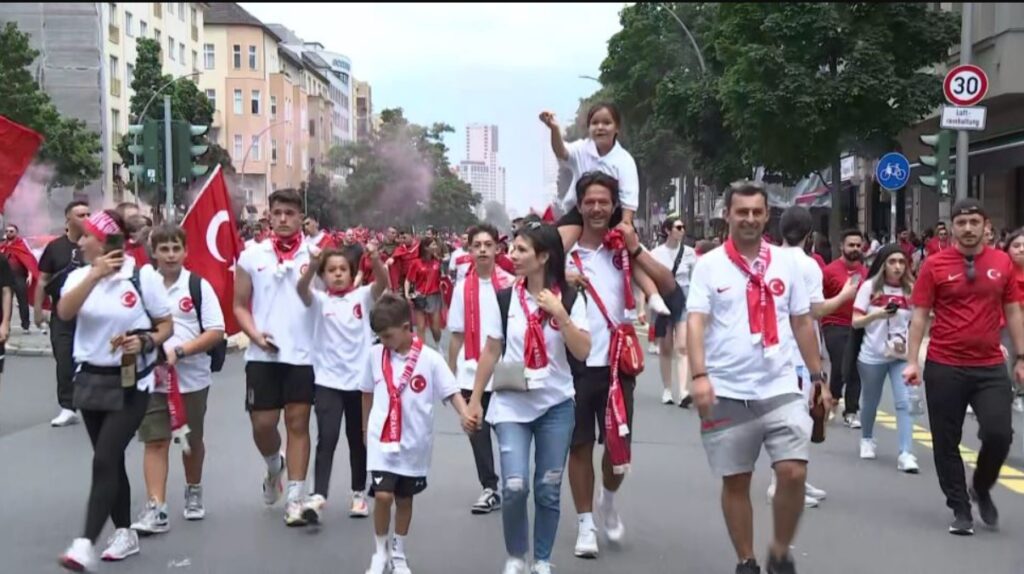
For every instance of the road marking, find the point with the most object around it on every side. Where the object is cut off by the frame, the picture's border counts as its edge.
(1009, 477)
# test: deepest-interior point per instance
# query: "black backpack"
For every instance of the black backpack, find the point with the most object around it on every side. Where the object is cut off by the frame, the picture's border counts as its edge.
(505, 301)
(219, 352)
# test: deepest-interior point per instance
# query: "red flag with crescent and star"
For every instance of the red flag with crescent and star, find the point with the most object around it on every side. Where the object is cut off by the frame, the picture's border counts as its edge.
(214, 244)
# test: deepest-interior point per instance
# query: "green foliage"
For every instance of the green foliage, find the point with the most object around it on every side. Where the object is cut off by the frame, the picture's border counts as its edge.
(69, 145)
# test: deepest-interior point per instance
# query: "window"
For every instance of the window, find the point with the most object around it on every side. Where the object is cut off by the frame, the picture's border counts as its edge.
(237, 55)
(114, 68)
(255, 153)
(212, 96)
(238, 102)
(312, 128)
(255, 103)
(273, 107)
(273, 152)
(252, 57)
(143, 28)
(129, 23)
(130, 75)
(208, 56)
(156, 35)
(195, 19)
(113, 14)
(115, 121)
(238, 148)
(195, 61)
(170, 48)
(288, 153)
(287, 109)
(181, 11)
(170, 8)
(305, 160)
(181, 53)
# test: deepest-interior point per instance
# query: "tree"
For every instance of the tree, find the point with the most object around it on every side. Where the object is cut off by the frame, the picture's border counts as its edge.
(802, 83)
(71, 147)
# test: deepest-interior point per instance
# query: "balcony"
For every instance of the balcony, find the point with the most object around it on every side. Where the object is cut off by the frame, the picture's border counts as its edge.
(115, 87)
(115, 33)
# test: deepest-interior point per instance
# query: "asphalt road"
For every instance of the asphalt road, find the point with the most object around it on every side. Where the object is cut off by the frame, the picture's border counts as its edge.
(874, 520)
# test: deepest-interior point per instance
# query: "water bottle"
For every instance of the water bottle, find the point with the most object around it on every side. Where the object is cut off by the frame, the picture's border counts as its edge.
(916, 398)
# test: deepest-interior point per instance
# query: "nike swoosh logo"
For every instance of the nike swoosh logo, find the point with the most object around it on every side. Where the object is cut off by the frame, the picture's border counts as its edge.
(954, 277)
(259, 269)
(723, 289)
(377, 480)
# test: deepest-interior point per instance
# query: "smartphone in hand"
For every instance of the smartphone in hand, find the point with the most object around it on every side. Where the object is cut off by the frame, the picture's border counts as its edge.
(270, 343)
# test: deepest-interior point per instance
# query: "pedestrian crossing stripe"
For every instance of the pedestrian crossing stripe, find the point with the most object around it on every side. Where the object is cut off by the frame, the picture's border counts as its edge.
(1010, 477)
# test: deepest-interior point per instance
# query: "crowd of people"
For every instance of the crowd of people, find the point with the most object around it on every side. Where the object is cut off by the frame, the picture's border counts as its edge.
(543, 353)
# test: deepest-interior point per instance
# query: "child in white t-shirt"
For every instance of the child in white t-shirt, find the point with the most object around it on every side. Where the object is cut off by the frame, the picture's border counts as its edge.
(408, 378)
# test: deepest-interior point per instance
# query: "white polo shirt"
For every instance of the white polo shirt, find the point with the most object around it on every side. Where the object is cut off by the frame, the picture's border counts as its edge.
(342, 339)
(738, 368)
(667, 256)
(193, 371)
(113, 308)
(431, 382)
(460, 261)
(465, 371)
(812, 276)
(276, 306)
(606, 278)
(557, 387)
(618, 163)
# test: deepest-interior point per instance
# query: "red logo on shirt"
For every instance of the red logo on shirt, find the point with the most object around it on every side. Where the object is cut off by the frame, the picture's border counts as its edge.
(304, 268)
(994, 275)
(776, 286)
(418, 384)
(129, 299)
(186, 305)
(617, 261)
(358, 310)
(554, 324)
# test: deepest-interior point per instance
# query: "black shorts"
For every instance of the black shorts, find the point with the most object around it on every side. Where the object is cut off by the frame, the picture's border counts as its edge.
(592, 384)
(397, 484)
(676, 303)
(270, 386)
(575, 218)
(3, 355)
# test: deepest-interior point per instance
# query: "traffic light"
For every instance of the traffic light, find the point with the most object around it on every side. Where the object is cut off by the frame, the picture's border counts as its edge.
(148, 164)
(940, 142)
(185, 152)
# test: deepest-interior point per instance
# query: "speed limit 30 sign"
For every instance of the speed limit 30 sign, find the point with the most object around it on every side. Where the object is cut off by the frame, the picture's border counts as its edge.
(965, 85)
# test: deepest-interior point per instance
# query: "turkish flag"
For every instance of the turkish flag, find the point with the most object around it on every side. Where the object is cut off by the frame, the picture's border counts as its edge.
(214, 244)
(18, 250)
(16, 153)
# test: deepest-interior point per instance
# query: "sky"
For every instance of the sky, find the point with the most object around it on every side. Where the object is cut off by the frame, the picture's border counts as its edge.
(468, 63)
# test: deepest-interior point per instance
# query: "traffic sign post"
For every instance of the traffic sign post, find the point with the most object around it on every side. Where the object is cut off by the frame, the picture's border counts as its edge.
(893, 171)
(965, 85)
(968, 119)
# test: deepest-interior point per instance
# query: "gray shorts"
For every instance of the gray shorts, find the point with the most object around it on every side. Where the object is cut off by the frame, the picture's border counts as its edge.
(735, 431)
(428, 303)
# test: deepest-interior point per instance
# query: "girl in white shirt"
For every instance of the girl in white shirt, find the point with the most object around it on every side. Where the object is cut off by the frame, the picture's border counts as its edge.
(119, 310)
(882, 309)
(540, 332)
(341, 361)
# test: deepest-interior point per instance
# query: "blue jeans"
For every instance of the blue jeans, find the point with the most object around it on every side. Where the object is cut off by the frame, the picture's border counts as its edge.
(872, 378)
(553, 432)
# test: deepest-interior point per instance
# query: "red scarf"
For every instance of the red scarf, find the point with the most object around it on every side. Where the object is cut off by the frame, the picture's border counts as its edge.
(286, 247)
(760, 301)
(615, 242)
(464, 259)
(340, 292)
(391, 435)
(471, 310)
(535, 352)
(165, 374)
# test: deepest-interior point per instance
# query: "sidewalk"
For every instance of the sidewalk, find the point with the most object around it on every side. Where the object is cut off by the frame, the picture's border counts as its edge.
(36, 344)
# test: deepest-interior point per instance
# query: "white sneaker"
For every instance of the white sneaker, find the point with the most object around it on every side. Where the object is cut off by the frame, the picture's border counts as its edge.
(868, 448)
(814, 492)
(542, 567)
(907, 463)
(852, 420)
(1018, 405)
(123, 544)
(614, 529)
(80, 556)
(153, 519)
(809, 501)
(360, 507)
(666, 397)
(586, 542)
(657, 304)
(293, 513)
(65, 418)
(514, 566)
(194, 509)
(273, 484)
(652, 348)
(312, 508)
(378, 564)
(400, 565)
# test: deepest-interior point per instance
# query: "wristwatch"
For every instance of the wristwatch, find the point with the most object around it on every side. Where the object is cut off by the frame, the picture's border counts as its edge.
(636, 252)
(179, 352)
(819, 377)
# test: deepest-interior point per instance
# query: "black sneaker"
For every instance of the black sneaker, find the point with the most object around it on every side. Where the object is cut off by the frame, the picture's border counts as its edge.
(488, 502)
(782, 565)
(685, 404)
(986, 508)
(962, 525)
(748, 567)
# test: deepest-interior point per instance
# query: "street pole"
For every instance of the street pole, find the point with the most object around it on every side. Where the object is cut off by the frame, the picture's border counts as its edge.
(168, 162)
(962, 136)
(892, 215)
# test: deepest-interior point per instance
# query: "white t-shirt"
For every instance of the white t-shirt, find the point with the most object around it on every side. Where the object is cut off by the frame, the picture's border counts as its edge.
(276, 306)
(431, 382)
(465, 371)
(113, 308)
(667, 256)
(737, 366)
(606, 278)
(193, 371)
(342, 339)
(460, 261)
(557, 387)
(877, 333)
(583, 158)
(812, 276)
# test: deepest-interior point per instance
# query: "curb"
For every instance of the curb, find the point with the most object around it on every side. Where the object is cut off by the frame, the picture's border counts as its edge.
(17, 351)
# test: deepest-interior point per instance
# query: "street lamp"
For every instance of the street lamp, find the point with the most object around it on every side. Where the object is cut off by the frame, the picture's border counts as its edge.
(591, 78)
(142, 117)
(696, 48)
(245, 158)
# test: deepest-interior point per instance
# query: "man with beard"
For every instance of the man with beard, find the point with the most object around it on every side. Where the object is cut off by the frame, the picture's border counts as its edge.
(405, 253)
(970, 288)
(939, 242)
(315, 237)
(350, 247)
(838, 325)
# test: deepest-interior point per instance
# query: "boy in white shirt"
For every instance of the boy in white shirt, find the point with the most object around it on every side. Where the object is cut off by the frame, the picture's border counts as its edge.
(398, 421)
(186, 351)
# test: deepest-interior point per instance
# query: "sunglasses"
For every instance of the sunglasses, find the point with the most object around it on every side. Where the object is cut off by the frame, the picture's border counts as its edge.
(677, 227)
(969, 268)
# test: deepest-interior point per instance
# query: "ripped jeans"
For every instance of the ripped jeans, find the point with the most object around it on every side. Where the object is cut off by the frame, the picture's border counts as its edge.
(553, 433)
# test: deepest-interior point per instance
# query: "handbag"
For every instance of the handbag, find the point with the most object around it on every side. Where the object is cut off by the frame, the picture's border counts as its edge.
(100, 388)
(631, 360)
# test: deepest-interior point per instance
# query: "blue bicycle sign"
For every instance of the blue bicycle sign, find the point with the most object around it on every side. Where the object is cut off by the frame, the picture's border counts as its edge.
(893, 171)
